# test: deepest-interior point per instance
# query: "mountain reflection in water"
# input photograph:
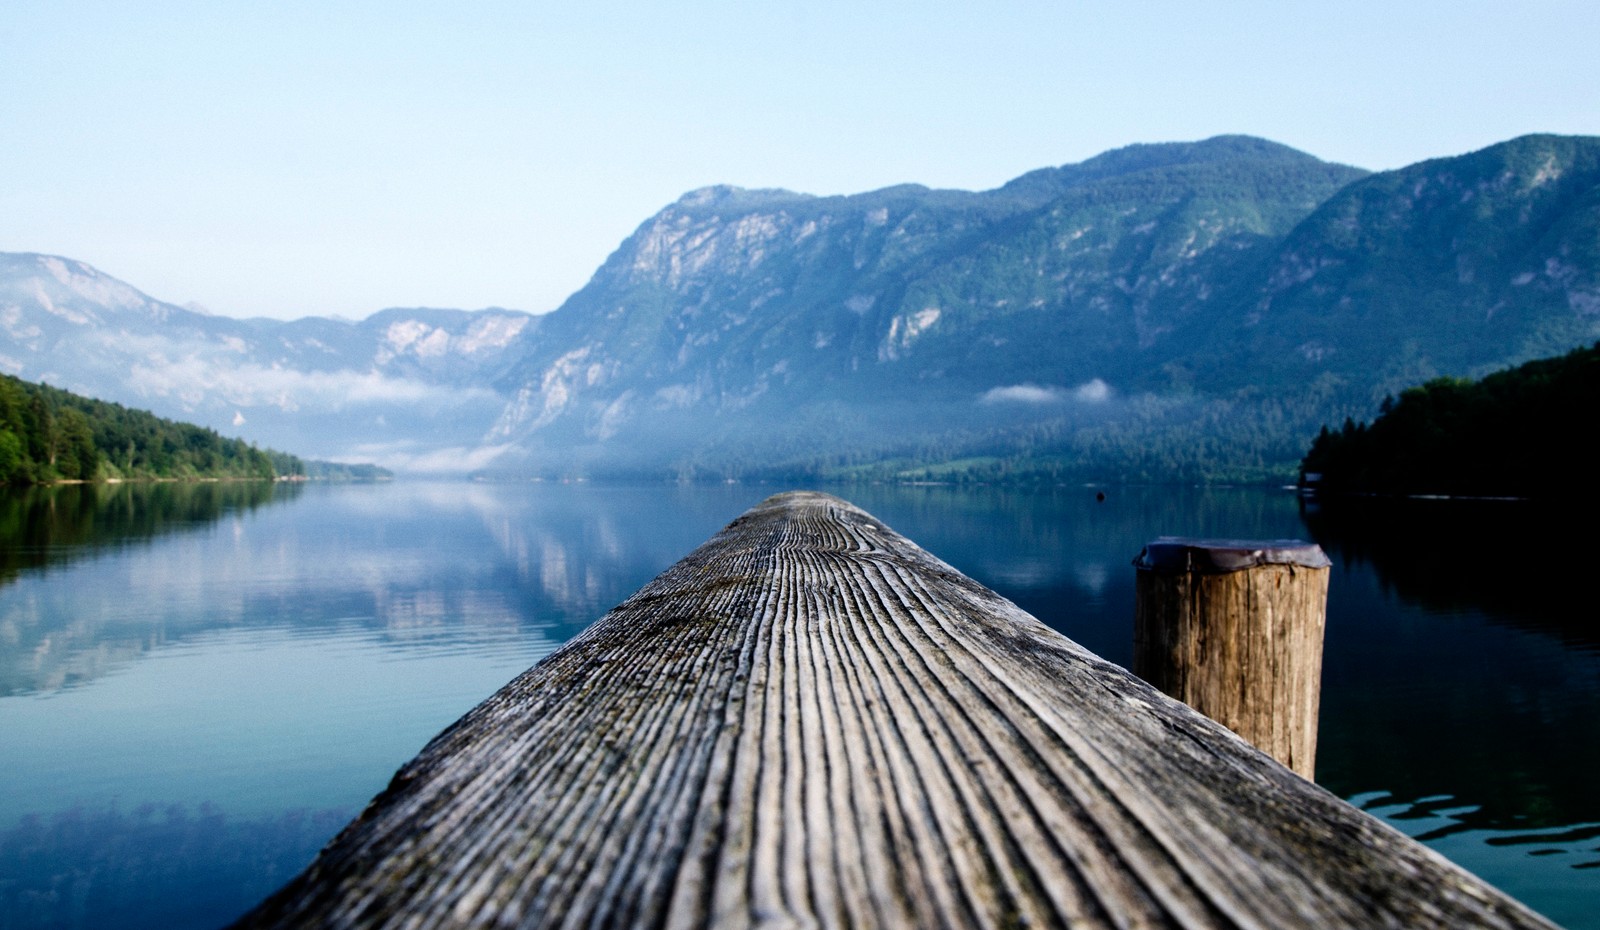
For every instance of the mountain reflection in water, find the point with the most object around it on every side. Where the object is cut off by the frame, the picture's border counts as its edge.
(51, 527)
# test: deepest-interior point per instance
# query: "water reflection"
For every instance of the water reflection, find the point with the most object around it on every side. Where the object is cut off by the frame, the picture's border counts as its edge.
(1472, 580)
(1515, 561)
(53, 527)
(1461, 687)
(419, 566)
(41, 526)
(1551, 870)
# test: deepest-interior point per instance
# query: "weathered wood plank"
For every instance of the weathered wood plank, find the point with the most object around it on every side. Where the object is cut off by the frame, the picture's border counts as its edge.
(810, 721)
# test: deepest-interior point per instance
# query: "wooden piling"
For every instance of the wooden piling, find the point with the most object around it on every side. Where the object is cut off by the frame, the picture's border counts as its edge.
(1234, 629)
(811, 722)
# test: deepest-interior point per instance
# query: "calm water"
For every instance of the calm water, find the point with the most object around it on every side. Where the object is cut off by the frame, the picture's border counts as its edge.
(200, 684)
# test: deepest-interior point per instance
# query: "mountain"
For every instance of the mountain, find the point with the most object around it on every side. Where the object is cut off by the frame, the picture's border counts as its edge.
(403, 385)
(1191, 310)
(1455, 266)
(1188, 311)
(844, 326)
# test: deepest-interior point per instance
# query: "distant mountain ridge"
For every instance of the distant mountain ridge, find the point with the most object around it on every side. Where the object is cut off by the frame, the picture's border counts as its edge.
(401, 384)
(1182, 310)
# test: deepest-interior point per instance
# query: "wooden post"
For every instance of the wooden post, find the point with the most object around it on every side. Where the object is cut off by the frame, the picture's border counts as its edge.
(1233, 628)
(811, 722)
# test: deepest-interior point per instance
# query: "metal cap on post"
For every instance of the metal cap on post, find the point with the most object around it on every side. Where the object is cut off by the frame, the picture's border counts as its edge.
(1233, 628)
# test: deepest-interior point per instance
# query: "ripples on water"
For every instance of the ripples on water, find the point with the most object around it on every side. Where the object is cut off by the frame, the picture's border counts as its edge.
(200, 684)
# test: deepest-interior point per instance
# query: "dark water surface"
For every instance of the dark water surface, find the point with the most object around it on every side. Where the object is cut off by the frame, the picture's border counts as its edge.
(200, 684)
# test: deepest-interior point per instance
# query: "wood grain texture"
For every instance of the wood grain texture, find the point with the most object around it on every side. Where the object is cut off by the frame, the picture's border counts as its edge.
(1242, 645)
(811, 722)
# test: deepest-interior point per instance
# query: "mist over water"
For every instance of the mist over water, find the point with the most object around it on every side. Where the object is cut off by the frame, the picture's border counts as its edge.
(200, 684)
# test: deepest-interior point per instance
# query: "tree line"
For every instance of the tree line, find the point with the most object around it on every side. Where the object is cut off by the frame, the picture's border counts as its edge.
(49, 435)
(1522, 432)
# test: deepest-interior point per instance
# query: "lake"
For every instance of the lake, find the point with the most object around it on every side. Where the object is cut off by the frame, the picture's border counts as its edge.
(200, 684)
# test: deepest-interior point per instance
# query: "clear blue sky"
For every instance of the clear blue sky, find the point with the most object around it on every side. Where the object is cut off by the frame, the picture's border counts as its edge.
(296, 158)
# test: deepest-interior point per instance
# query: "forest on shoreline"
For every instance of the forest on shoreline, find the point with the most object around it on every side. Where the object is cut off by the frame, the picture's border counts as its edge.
(1521, 432)
(49, 435)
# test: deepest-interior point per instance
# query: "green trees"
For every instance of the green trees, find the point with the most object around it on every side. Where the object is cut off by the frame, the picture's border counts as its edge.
(49, 435)
(1521, 432)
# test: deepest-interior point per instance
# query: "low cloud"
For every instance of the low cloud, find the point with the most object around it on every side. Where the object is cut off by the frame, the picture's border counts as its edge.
(198, 376)
(407, 457)
(1093, 391)
(1023, 394)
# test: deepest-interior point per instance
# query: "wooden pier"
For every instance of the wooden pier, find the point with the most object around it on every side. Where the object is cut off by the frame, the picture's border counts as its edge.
(811, 722)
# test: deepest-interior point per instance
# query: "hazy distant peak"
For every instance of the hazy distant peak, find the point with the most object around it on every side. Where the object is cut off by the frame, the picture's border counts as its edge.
(71, 290)
(54, 266)
(1045, 183)
(1225, 148)
(896, 190)
(727, 195)
(436, 315)
(704, 196)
